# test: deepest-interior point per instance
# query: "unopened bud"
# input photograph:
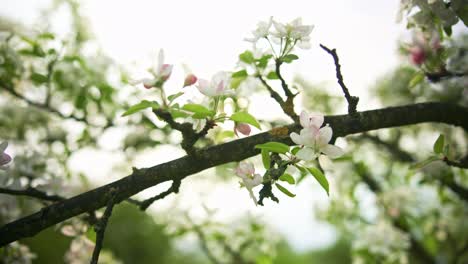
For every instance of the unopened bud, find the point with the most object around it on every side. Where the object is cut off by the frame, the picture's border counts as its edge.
(190, 80)
(242, 128)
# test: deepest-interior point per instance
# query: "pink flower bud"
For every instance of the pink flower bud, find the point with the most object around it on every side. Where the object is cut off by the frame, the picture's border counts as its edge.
(190, 80)
(166, 71)
(417, 55)
(242, 128)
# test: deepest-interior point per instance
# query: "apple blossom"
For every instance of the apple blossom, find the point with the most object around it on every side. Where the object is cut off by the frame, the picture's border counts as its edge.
(219, 85)
(190, 79)
(314, 139)
(295, 30)
(262, 31)
(242, 128)
(4, 158)
(246, 171)
(161, 73)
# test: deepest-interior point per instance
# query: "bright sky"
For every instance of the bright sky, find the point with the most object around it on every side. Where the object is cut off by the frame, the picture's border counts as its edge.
(208, 36)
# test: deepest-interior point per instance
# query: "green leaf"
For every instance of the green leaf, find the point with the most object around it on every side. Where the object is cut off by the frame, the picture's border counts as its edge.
(287, 178)
(284, 190)
(295, 150)
(272, 76)
(241, 73)
(289, 58)
(244, 117)
(439, 144)
(263, 61)
(417, 79)
(172, 97)
(91, 234)
(421, 164)
(303, 171)
(320, 177)
(140, 106)
(236, 82)
(266, 158)
(274, 147)
(46, 35)
(199, 111)
(247, 57)
(38, 78)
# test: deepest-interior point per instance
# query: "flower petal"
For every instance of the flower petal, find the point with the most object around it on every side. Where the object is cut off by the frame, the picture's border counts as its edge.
(325, 135)
(332, 151)
(306, 154)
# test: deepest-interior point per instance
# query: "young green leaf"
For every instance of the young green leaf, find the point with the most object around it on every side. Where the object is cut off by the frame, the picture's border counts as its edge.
(289, 58)
(247, 57)
(266, 158)
(320, 177)
(199, 110)
(287, 178)
(439, 144)
(272, 76)
(274, 147)
(38, 78)
(241, 73)
(417, 79)
(284, 190)
(245, 117)
(140, 106)
(172, 97)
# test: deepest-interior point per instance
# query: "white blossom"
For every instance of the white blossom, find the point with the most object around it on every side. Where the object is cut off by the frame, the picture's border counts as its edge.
(219, 85)
(314, 139)
(246, 171)
(161, 72)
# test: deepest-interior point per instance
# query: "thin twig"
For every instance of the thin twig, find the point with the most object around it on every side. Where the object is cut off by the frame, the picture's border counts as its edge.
(284, 85)
(32, 192)
(462, 163)
(100, 229)
(352, 100)
(190, 136)
(173, 189)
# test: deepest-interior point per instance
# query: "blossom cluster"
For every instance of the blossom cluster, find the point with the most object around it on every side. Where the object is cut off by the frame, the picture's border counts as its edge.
(287, 35)
(314, 138)
(428, 9)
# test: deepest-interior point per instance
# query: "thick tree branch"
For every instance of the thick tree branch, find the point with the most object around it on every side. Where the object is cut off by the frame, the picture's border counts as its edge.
(352, 100)
(212, 156)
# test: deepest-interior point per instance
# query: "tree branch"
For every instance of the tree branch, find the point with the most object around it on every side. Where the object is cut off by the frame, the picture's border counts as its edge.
(237, 150)
(352, 100)
(100, 229)
(32, 192)
(173, 189)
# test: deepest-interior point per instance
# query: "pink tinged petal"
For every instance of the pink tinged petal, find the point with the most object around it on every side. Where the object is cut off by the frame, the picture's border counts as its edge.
(242, 128)
(190, 79)
(325, 135)
(4, 159)
(220, 88)
(306, 154)
(166, 70)
(332, 151)
(203, 86)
